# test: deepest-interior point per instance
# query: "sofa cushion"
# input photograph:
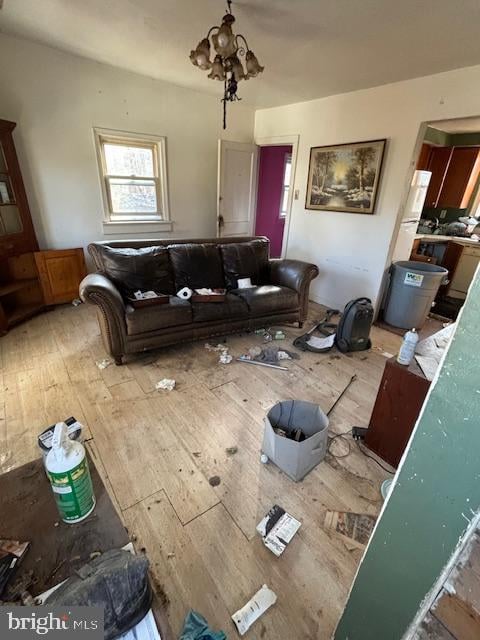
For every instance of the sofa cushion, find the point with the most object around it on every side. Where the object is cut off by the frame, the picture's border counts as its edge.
(268, 299)
(233, 307)
(196, 266)
(132, 269)
(161, 316)
(245, 260)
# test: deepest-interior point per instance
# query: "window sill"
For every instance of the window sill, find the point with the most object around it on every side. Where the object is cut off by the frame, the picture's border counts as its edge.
(137, 226)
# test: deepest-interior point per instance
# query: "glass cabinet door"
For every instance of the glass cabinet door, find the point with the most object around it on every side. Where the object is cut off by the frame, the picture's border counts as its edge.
(10, 218)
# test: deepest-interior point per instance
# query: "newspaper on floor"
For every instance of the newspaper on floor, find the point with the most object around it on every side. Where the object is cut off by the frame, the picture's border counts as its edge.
(146, 629)
(355, 528)
(277, 529)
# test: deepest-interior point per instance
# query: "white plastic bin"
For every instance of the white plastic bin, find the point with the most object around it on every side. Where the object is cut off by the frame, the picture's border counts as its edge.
(296, 459)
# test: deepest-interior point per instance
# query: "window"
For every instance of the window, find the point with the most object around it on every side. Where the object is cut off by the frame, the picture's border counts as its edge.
(287, 170)
(133, 177)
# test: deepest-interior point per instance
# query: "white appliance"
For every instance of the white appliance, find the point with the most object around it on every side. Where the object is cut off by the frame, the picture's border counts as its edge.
(411, 215)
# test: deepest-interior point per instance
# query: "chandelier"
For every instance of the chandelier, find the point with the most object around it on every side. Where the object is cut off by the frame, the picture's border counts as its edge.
(226, 66)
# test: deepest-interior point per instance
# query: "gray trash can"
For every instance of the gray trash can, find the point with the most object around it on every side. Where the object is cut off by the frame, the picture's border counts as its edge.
(413, 287)
(296, 459)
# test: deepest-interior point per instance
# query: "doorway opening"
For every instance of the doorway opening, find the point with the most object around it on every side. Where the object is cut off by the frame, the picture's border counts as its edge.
(273, 194)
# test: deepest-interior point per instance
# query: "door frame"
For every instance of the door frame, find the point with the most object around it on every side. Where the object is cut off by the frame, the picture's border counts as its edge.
(277, 141)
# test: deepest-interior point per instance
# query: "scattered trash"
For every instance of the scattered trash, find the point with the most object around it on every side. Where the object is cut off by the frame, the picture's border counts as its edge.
(355, 527)
(170, 555)
(271, 354)
(231, 451)
(76, 302)
(218, 347)
(264, 459)
(144, 295)
(260, 332)
(11, 553)
(214, 481)
(55, 524)
(103, 364)
(95, 554)
(255, 607)
(166, 384)
(196, 454)
(225, 357)
(321, 343)
(279, 335)
(277, 529)
(196, 627)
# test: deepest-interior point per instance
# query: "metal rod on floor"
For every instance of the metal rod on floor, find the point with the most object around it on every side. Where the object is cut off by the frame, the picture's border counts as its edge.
(261, 364)
(352, 379)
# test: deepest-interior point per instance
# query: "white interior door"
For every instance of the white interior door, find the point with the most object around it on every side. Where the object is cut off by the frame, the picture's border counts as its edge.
(237, 186)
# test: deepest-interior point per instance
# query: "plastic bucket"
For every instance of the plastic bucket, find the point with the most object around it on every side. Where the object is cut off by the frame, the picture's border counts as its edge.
(413, 287)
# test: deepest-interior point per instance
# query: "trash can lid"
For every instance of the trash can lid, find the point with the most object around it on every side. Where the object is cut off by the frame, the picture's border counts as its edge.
(421, 267)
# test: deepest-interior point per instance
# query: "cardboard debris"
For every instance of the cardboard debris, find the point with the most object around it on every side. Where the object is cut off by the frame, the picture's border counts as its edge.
(277, 529)
(355, 528)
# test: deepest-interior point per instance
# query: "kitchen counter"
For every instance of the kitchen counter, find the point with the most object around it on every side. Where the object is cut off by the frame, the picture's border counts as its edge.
(431, 237)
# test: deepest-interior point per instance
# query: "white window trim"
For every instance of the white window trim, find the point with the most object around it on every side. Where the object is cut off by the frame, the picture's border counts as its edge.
(141, 222)
(287, 159)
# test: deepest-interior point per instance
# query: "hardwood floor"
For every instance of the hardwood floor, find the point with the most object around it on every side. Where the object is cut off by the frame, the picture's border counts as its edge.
(156, 451)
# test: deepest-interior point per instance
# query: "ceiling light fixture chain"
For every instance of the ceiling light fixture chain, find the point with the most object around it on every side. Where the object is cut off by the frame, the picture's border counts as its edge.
(226, 66)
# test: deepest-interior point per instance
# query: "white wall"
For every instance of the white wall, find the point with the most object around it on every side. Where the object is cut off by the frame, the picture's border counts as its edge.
(353, 250)
(57, 98)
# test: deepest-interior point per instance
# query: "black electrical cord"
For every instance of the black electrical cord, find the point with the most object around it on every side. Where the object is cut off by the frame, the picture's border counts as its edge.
(367, 455)
(333, 438)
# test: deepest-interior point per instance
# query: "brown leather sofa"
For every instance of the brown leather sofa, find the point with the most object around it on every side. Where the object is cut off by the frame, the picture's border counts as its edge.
(280, 294)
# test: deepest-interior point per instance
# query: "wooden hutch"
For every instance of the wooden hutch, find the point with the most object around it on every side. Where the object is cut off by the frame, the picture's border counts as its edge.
(30, 279)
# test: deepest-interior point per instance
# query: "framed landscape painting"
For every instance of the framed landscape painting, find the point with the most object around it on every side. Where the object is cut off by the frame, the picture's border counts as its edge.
(345, 177)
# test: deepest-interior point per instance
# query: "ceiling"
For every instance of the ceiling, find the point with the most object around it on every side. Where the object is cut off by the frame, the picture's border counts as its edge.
(310, 48)
(460, 125)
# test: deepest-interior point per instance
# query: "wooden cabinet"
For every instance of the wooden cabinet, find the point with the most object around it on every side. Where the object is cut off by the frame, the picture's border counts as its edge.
(400, 397)
(60, 273)
(424, 157)
(29, 279)
(460, 177)
(438, 163)
(455, 171)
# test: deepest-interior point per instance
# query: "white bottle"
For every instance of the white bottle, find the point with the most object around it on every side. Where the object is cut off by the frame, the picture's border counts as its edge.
(407, 350)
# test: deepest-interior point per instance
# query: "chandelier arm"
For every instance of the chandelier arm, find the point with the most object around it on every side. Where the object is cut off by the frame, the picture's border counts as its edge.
(210, 31)
(239, 35)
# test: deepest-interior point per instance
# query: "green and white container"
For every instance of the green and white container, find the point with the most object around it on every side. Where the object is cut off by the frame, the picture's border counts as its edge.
(67, 469)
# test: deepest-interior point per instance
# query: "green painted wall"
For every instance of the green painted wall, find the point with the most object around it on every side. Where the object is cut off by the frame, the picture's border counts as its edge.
(435, 136)
(436, 495)
(443, 139)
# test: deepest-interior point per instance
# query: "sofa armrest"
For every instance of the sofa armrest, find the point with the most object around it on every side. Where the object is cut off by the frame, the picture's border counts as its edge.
(296, 275)
(97, 289)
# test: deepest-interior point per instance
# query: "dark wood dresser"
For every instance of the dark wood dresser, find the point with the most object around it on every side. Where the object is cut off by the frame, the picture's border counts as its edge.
(399, 400)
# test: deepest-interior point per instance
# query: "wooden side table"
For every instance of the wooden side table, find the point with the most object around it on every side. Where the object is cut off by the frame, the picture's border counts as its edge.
(399, 400)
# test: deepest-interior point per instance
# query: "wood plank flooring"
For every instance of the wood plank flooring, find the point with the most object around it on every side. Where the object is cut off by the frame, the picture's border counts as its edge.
(157, 450)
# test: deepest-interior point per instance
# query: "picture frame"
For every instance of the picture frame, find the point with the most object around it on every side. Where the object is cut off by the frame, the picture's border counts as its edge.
(345, 177)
